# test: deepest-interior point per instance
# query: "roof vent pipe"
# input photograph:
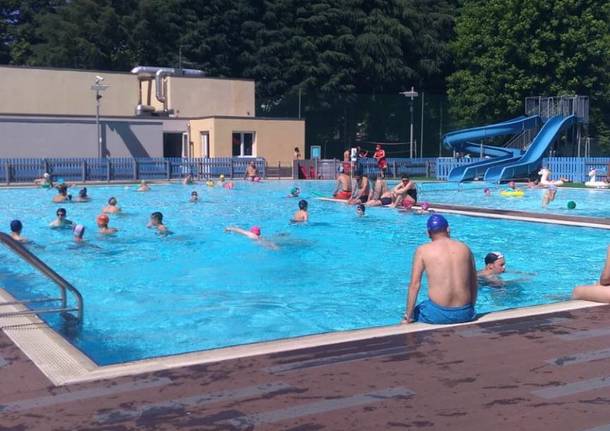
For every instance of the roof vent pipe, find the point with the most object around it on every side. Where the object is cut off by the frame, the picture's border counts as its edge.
(160, 73)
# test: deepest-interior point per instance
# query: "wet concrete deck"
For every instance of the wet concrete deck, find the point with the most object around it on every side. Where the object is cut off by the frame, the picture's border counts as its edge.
(542, 372)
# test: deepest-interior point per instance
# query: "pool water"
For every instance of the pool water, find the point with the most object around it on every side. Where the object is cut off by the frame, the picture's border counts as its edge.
(589, 202)
(201, 288)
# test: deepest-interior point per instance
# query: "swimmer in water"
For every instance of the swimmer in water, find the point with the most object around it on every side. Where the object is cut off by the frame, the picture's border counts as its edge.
(79, 233)
(61, 221)
(156, 221)
(188, 180)
(360, 210)
(255, 234)
(294, 192)
(301, 215)
(144, 187)
(495, 264)
(102, 221)
(221, 178)
(62, 194)
(45, 182)
(194, 197)
(112, 207)
(549, 195)
(16, 228)
(82, 196)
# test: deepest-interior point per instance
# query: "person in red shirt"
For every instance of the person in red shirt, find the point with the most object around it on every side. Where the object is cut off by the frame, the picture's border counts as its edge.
(379, 155)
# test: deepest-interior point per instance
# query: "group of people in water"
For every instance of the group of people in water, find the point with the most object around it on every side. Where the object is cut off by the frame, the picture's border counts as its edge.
(448, 264)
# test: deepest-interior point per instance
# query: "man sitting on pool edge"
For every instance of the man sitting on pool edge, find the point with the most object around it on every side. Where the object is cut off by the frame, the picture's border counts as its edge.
(452, 278)
(599, 292)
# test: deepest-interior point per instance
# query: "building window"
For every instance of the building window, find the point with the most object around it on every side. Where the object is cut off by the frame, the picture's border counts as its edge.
(243, 144)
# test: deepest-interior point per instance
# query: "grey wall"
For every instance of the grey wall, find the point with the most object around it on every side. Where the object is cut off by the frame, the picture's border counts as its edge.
(54, 136)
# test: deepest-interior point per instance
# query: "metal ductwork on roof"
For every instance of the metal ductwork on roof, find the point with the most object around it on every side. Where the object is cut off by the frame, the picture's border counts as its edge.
(147, 73)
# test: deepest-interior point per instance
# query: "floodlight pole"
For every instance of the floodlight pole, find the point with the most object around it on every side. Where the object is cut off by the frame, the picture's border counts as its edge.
(412, 94)
(98, 88)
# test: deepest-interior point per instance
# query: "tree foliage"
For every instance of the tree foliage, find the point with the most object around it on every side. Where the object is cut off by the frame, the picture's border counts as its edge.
(506, 50)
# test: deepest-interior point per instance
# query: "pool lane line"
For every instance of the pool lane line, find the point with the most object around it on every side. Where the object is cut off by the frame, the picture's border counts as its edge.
(119, 415)
(584, 334)
(335, 359)
(82, 394)
(568, 389)
(510, 326)
(318, 407)
(580, 357)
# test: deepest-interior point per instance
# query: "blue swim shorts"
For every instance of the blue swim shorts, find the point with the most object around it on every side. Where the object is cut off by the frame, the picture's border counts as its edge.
(429, 312)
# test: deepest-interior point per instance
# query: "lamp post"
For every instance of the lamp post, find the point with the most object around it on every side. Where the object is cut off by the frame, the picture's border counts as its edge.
(98, 87)
(412, 94)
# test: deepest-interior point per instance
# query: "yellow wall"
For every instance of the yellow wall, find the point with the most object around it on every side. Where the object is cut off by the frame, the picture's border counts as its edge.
(275, 140)
(64, 92)
(204, 97)
(67, 92)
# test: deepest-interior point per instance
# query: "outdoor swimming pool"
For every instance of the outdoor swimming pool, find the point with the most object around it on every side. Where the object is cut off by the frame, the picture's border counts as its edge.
(201, 288)
(589, 202)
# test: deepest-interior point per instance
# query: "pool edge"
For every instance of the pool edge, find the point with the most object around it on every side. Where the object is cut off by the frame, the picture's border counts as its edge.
(64, 364)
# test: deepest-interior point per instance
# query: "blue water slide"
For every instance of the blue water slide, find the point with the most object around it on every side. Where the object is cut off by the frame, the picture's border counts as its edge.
(532, 159)
(465, 141)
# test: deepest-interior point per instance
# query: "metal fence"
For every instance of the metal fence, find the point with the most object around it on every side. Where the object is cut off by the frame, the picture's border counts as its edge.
(575, 169)
(396, 167)
(124, 169)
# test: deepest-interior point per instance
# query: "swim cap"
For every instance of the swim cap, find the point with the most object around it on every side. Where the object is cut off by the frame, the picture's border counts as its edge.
(158, 215)
(571, 205)
(425, 206)
(486, 190)
(222, 177)
(111, 200)
(79, 230)
(437, 223)
(302, 204)
(228, 185)
(82, 192)
(45, 175)
(256, 230)
(295, 191)
(102, 219)
(361, 208)
(16, 226)
(492, 257)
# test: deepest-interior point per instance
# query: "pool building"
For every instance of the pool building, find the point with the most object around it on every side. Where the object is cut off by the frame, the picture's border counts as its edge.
(148, 112)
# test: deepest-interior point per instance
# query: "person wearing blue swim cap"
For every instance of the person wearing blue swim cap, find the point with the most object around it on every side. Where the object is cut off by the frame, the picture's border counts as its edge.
(452, 278)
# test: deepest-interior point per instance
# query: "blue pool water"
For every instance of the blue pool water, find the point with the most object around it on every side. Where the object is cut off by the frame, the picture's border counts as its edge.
(201, 288)
(589, 202)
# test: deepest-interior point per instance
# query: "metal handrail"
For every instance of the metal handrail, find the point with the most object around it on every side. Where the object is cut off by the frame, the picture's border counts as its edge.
(63, 285)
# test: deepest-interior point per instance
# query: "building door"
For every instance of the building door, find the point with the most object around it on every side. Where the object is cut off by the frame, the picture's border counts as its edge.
(205, 144)
(172, 144)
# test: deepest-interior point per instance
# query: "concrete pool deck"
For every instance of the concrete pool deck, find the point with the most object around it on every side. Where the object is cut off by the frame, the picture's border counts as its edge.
(547, 371)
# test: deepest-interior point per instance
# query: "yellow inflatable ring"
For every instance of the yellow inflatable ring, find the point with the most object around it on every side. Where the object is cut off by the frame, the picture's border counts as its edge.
(512, 193)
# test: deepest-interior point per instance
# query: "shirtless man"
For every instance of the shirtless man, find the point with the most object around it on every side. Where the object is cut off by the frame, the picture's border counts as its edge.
(61, 221)
(112, 207)
(82, 196)
(62, 194)
(102, 221)
(495, 264)
(254, 233)
(194, 196)
(343, 190)
(156, 222)
(301, 215)
(452, 278)
(405, 189)
(599, 292)
(16, 228)
(362, 194)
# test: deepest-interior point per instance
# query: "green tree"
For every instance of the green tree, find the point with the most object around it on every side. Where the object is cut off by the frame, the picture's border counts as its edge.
(506, 50)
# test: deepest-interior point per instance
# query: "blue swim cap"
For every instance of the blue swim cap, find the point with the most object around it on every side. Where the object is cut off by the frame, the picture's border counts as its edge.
(16, 226)
(437, 223)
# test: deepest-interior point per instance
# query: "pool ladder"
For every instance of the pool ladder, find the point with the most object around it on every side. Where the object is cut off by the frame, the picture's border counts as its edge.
(64, 287)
